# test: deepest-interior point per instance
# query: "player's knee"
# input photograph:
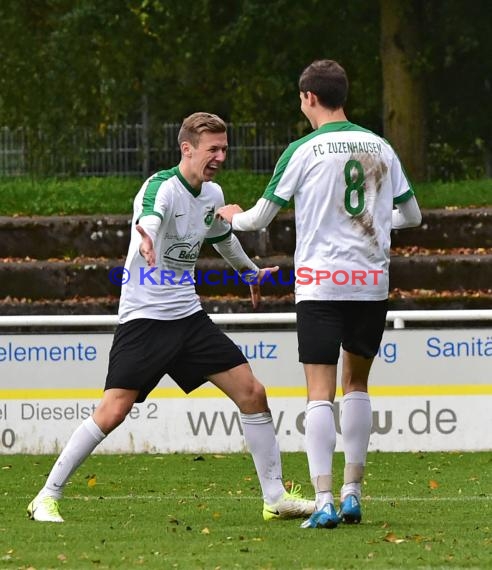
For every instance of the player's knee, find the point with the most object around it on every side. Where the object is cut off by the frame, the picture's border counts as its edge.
(119, 414)
(112, 414)
(254, 398)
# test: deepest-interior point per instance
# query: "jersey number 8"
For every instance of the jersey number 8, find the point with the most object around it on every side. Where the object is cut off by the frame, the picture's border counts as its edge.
(355, 184)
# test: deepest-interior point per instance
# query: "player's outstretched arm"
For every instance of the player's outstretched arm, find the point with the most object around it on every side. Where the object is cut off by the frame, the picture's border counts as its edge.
(231, 250)
(147, 250)
(255, 287)
(256, 218)
(227, 212)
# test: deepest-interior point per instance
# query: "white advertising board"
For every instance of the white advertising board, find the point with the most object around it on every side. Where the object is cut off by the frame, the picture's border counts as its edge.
(431, 390)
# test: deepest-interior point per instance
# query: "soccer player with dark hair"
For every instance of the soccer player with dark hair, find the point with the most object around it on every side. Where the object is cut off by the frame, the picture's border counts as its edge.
(349, 190)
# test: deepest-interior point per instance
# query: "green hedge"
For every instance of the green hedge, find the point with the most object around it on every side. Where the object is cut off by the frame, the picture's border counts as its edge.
(114, 195)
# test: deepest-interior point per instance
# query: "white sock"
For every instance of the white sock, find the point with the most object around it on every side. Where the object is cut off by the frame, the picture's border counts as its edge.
(355, 424)
(320, 446)
(80, 445)
(263, 445)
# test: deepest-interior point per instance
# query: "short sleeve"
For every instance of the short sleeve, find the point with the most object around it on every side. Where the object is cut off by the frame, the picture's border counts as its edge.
(155, 199)
(402, 188)
(286, 176)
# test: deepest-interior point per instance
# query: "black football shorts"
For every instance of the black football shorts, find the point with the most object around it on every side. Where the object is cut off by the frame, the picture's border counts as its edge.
(325, 326)
(189, 350)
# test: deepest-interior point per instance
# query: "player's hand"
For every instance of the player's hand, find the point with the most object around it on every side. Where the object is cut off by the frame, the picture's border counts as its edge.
(255, 287)
(228, 212)
(146, 248)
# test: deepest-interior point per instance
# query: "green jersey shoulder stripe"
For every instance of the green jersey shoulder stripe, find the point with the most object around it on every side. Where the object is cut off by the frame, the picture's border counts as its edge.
(337, 126)
(284, 159)
(148, 201)
(280, 167)
(411, 191)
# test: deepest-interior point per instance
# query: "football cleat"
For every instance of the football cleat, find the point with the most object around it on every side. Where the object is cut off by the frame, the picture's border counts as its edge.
(350, 511)
(44, 509)
(291, 505)
(326, 517)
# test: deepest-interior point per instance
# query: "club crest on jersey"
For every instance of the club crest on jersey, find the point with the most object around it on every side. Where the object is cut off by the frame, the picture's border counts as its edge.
(209, 216)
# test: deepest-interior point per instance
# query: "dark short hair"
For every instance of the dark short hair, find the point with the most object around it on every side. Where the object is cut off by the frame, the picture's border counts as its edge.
(327, 80)
(198, 123)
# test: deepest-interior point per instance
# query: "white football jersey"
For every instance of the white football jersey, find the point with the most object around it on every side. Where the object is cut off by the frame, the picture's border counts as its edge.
(344, 180)
(187, 219)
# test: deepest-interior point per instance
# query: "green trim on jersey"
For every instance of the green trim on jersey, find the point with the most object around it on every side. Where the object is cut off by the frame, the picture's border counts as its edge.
(218, 239)
(280, 167)
(404, 197)
(284, 159)
(148, 201)
(186, 184)
(410, 185)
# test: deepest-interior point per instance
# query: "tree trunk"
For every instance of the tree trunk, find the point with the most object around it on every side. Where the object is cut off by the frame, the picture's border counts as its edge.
(404, 103)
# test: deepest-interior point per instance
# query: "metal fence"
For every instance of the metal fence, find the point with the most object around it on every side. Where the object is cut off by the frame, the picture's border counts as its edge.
(126, 150)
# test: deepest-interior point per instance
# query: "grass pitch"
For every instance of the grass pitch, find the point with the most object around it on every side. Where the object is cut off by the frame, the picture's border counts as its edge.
(421, 510)
(114, 195)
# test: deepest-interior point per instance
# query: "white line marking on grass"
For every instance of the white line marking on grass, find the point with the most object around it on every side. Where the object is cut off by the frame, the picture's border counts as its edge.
(458, 499)
(464, 499)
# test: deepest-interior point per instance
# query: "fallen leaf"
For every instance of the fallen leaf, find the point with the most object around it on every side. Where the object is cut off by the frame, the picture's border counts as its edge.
(91, 482)
(205, 531)
(433, 484)
(391, 537)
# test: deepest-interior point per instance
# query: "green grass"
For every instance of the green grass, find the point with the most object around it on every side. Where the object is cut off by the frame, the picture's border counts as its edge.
(469, 193)
(114, 195)
(422, 510)
(51, 196)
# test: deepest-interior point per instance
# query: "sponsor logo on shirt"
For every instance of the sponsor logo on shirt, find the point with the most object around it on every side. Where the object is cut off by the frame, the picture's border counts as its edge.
(182, 252)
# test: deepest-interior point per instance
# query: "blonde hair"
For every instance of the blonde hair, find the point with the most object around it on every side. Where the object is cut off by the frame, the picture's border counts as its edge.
(198, 123)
